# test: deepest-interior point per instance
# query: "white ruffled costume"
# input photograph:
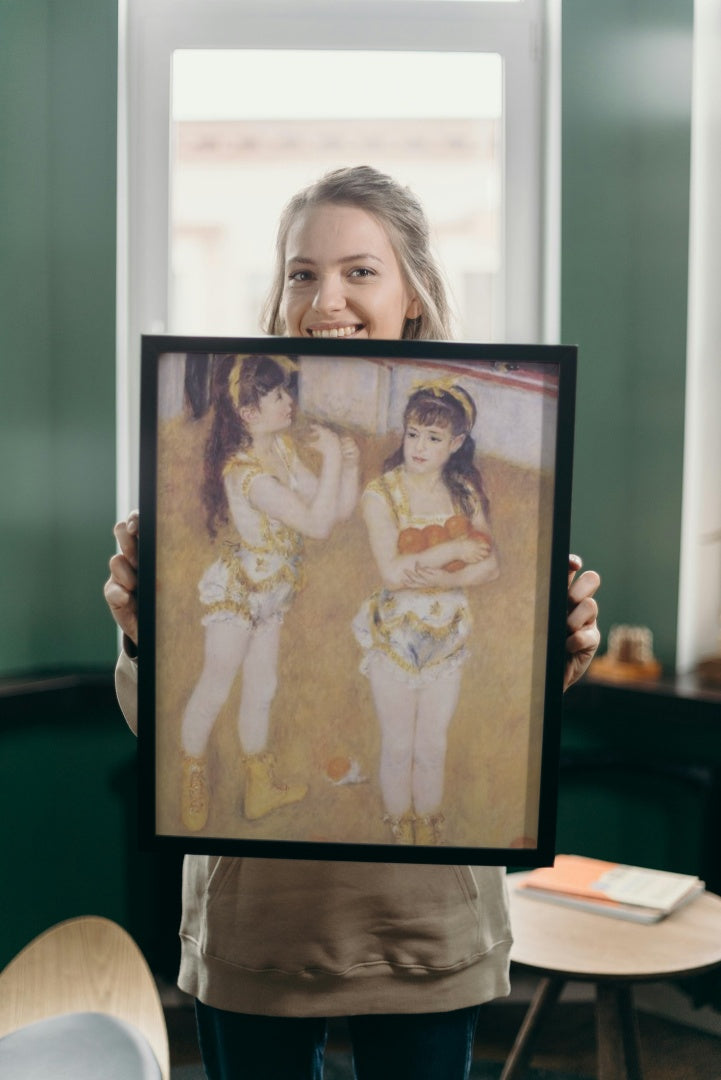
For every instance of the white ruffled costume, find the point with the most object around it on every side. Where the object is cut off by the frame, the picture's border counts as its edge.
(419, 635)
(260, 570)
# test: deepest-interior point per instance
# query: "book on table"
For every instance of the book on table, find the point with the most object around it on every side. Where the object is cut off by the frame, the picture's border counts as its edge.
(609, 888)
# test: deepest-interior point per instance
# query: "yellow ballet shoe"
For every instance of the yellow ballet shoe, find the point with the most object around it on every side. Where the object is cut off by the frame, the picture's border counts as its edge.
(194, 799)
(263, 793)
(401, 827)
(429, 830)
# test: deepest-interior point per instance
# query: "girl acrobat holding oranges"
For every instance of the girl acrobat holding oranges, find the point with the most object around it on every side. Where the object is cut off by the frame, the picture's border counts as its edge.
(413, 630)
(256, 483)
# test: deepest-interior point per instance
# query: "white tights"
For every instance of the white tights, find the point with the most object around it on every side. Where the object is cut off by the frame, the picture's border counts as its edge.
(228, 647)
(414, 735)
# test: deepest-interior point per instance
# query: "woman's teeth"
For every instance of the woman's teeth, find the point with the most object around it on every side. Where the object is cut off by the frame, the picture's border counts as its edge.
(336, 332)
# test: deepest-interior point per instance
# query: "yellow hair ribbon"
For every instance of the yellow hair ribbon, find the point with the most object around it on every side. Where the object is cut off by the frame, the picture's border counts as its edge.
(287, 364)
(234, 382)
(446, 385)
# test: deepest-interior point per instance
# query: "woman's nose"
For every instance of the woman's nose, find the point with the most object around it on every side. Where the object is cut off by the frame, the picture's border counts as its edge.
(329, 295)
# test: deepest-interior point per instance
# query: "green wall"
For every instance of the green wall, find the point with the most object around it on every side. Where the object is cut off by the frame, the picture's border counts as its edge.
(58, 74)
(625, 200)
(68, 802)
(67, 775)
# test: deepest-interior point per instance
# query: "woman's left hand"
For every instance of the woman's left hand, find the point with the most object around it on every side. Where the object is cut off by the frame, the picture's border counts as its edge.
(582, 633)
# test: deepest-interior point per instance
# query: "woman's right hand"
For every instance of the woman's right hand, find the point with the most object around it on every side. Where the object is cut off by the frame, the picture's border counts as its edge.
(121, 587)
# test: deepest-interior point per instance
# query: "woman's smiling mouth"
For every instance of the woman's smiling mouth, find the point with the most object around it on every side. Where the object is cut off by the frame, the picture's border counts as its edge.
(334, 331)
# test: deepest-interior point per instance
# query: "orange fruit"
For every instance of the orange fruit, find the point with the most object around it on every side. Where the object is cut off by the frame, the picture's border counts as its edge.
(457, 526)
(473, 534)
(435, 534)
(411, 541)
(337, 767)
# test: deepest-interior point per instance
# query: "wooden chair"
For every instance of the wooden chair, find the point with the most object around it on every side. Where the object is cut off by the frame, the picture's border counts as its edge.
(86, 969)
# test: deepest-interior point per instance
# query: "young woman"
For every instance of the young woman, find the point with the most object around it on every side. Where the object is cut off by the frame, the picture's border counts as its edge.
(270, 949)
(426, 520)
(255, 479)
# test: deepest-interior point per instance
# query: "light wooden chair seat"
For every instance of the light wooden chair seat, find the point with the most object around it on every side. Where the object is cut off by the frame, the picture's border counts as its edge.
(87, 965)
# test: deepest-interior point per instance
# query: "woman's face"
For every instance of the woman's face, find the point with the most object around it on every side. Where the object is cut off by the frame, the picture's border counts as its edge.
(342, 277)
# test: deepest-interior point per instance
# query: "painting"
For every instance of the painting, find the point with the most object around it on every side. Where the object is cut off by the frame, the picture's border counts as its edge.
(352, 597)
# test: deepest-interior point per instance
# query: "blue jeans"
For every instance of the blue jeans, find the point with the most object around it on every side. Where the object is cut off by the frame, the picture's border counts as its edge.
(414, 1046)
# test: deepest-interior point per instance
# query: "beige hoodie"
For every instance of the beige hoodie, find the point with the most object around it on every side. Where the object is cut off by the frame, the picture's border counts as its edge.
(286, 937)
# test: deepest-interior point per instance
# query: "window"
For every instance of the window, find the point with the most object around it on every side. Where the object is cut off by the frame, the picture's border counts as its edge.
(448, 95)
(236, 158)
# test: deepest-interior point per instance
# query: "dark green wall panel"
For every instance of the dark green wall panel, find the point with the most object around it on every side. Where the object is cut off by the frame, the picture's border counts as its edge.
(58, 78)
(68, 798)
(626, 147)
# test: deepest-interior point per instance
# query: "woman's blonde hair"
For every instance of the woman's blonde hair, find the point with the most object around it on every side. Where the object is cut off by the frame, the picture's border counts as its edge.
(402, 216)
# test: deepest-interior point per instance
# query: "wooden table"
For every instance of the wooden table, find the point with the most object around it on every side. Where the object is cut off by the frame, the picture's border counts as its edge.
(563, 944)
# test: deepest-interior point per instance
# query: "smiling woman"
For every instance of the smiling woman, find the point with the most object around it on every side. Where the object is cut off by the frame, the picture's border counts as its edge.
(334, 293)
(353, 259)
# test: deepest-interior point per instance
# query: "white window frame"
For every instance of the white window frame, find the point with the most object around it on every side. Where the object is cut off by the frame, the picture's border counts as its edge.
(526, 34)
(699, 597)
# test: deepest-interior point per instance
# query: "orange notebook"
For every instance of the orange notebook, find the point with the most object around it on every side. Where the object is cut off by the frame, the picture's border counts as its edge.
(631, 892)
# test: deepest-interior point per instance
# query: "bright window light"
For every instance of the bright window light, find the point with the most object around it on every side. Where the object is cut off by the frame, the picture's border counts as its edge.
(251, 127)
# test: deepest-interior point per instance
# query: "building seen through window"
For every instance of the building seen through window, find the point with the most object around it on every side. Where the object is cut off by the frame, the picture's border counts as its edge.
(236, 162)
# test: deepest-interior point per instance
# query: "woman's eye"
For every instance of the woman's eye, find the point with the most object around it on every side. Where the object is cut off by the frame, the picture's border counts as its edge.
(299, 276)
(362, 272)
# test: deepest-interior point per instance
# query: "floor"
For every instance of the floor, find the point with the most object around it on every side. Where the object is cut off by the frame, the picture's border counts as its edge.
(669, 1050)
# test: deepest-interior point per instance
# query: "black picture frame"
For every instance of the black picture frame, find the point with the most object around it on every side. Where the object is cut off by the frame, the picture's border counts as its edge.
(503, 740)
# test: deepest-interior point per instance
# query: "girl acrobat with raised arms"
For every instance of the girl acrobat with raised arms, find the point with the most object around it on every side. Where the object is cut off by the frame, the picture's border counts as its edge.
(255, 482)
(427, 523)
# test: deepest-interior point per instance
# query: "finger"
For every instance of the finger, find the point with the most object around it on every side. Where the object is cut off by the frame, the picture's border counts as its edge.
(583, 614)
(126, 534)
(118, 598)
(123, 608)
(585, 585)
(583, 642)
(427, 575)
(575, 563)
(122, 572)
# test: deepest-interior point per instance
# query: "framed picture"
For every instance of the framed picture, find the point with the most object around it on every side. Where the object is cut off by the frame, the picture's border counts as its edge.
(352, 597)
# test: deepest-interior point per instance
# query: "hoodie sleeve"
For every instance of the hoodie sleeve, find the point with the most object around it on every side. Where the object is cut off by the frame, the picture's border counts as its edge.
(126, 688)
